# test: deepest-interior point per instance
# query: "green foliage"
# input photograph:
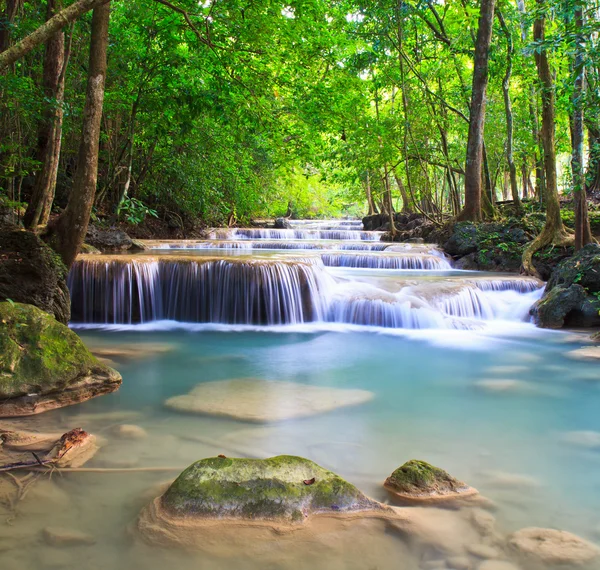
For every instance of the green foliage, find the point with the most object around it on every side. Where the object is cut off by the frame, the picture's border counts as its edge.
(134, 210)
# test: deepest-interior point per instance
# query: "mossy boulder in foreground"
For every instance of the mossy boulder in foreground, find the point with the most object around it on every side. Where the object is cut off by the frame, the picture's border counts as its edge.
(418, 481)
(285, 488)
(278, 493)
(45, 365)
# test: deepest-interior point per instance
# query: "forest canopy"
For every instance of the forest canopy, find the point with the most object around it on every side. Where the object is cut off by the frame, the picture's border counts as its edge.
(233, 109)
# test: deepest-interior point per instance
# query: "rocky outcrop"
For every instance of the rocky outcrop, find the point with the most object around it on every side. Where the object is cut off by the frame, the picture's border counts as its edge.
(572, 295)
(419, 482)
(280, 493)
(282, 224)
(44, 365)
(108, 239)
(544, 547)
(31, 272)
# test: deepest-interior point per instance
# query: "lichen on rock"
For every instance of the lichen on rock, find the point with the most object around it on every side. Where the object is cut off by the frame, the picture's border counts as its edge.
(45, 365)
(418, 481)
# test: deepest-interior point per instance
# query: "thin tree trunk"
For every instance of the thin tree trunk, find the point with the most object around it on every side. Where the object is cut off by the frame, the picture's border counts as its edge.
(50, 132)
(406, 208)
(512, 169)
(370, 202)
(46, 31)
(473, 166)
(583, 233)
(554, 231)
(593, 171)
(69, 232)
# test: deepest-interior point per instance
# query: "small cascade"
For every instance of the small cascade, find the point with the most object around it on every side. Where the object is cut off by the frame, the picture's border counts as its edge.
(117, 290)
(265, 244)
(379, 261)
(299, 234)
(520, 284)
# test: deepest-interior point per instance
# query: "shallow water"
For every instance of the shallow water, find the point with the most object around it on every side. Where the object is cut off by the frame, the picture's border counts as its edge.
(496, 406)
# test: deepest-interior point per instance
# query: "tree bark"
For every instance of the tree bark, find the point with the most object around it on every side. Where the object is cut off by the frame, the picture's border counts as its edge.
(50, 131)
(69, 232)
(512, 169)
(370, 201)
(406, 207)
(554, 231)
(583, 233)
(473, 165)
(593, 171)
(46, 31)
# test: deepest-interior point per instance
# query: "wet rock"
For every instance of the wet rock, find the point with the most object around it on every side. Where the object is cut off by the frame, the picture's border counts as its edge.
(108, 239)
(263, 401)
(129, 431)
(570, 296)
(418, 481)
(31, 272)
(130, 351)
(484, 551)
(587, 439)
(44, 365)
(281, 493)
(58, 536)
(439, 564)
(282, 224)
(89, 249)
(484, 521)
(552, 310)
(497, 565)
(459, 563)
(552, 547)
(504, 385)
(589, 353)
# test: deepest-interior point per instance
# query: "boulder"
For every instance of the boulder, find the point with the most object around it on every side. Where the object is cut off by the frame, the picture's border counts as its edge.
(419, 482)
(45, 365)
(282, 224)
(32, 272)
(572, 295)
(279, 493)
(108, 239)
(549, 547)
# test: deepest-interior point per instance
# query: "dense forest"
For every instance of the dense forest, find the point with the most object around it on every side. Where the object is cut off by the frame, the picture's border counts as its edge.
(222, 111)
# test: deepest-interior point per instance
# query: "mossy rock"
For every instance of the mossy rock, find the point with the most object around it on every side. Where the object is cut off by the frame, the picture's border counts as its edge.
(32, 272)
(418, 481)
(44, 364)
(286, 489)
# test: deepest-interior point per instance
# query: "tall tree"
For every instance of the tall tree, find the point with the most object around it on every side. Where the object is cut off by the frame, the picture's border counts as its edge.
(50, 130)
(554, 231)
(474, 161)
(70, 229)
(583, 234)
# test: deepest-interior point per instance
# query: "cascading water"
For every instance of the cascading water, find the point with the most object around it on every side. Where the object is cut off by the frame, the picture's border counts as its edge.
(268, 233)
(408, 261)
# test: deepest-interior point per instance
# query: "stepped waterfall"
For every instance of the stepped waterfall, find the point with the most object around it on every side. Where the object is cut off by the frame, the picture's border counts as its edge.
(315, 272)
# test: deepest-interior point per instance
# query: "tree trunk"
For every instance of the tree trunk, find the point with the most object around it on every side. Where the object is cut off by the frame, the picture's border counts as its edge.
(583, 233)
(50, 132)
(370, 201)
(512, 169)
(593, 171)
(472, 208)
(69, 232)
(46, 31)
(406, 207)
(554, 231)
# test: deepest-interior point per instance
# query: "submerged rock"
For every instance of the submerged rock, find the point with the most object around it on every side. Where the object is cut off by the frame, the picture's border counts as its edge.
(31, 272)
(279, 493)
(58, 536)
(44, 365)
(418, 481)
(590, 353)
(548, 546)
(263, 401)
(129, 431)
(587, 439)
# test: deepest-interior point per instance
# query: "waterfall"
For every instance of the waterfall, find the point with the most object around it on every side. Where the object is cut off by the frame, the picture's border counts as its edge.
(268, 233)
(377, 261)
(264, 244)
(129, 291)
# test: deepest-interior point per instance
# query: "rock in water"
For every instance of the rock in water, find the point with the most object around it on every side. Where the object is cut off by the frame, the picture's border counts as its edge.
(32, 272)
(419, 482)
(271, 493)
(44, 365)
(548, 546)
(263, 401)
(58, 536)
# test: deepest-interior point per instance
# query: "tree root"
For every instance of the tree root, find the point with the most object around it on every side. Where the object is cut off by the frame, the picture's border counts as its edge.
(549, 236)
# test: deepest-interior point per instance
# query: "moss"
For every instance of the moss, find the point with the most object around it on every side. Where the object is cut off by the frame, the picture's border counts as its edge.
(268, 489)
(37, 353)
(418, 477)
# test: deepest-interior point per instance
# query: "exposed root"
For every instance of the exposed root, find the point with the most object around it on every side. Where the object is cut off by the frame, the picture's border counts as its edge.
(549, 236)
